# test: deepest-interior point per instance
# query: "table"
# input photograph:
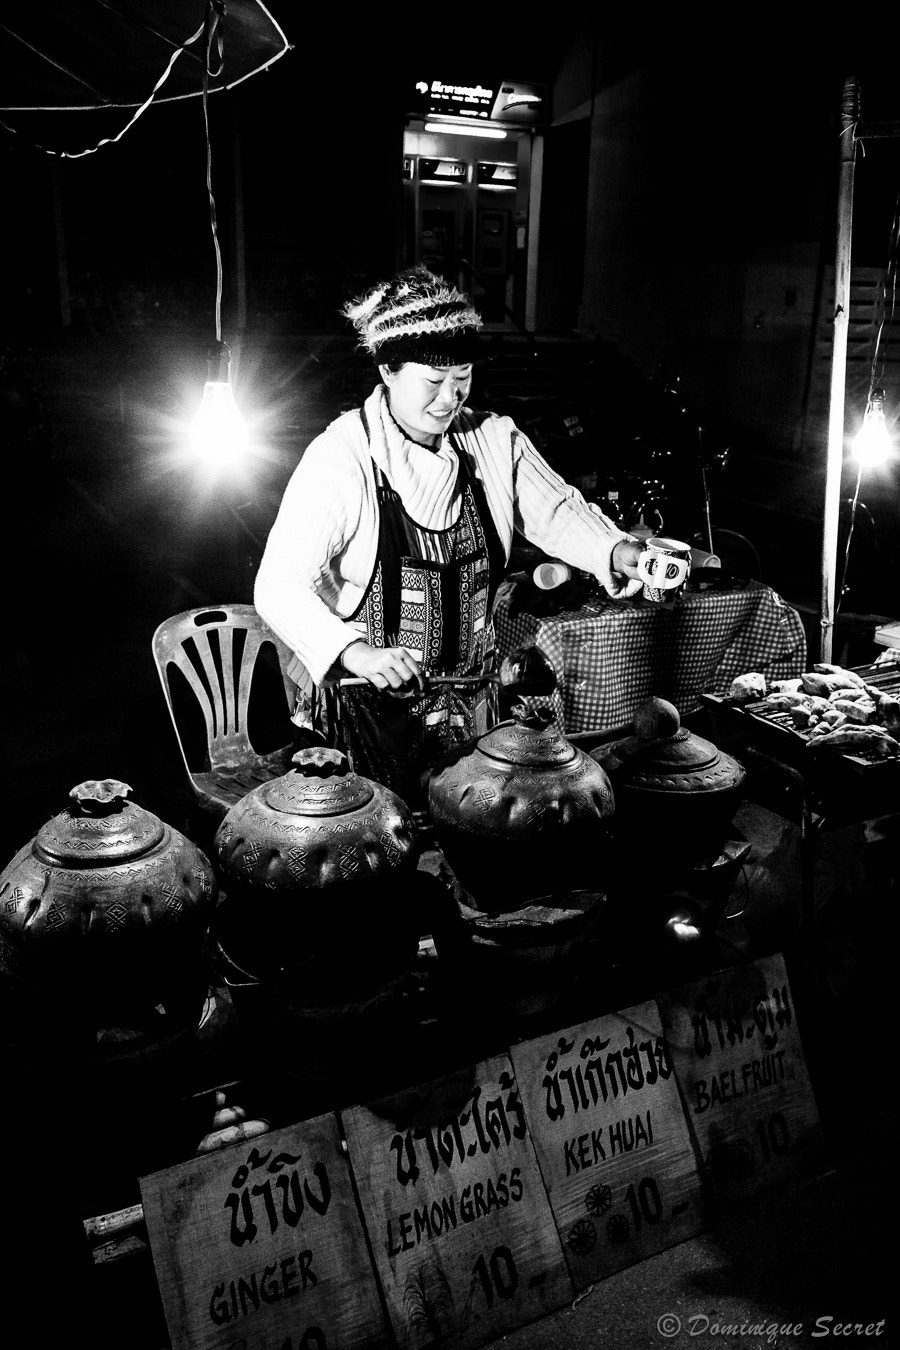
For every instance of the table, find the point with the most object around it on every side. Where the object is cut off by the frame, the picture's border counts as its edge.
(818, 791)
(610, 655)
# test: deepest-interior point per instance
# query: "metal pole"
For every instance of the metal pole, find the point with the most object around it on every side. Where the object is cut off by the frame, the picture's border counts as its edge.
(835, 456)
(240, 248)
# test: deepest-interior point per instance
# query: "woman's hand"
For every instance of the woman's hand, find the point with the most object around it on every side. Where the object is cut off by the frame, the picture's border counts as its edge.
(383, 667)
(625, 557)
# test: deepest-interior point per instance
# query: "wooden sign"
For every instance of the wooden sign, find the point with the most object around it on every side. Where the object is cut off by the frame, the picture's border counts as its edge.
(460, 1226)
(605, 1114)
(260, 1245)
(739, 1060)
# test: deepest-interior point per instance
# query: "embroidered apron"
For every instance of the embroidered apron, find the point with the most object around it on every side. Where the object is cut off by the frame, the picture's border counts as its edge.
(431, 591)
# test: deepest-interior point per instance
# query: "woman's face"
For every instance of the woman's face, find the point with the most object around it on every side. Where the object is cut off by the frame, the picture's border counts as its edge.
(425, 399)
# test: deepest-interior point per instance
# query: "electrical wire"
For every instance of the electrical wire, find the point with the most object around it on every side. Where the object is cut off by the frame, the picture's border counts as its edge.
(854, 502)
(111, 140)
(146, 26)
(213, 33)
(890, 278)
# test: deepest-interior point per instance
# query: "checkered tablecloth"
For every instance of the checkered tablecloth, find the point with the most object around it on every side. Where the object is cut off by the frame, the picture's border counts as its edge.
(610, 655)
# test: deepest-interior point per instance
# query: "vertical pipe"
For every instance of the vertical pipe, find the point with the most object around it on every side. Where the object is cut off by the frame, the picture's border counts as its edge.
(835, 456)
(533, 228)
(240, 247)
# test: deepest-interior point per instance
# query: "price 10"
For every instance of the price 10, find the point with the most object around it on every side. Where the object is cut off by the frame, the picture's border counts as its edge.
(498, 1275)
(774, 1140)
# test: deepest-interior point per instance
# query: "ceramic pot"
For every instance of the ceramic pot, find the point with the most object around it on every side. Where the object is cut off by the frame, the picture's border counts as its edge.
(521, 813)
(104, 912)
(676, 792)
(318, 871)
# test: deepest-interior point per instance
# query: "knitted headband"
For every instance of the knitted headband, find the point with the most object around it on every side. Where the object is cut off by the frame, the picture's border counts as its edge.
(416, 316)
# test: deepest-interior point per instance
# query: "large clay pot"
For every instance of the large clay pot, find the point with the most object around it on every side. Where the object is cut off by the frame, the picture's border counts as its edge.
(318, 927)
(102, 920)
(521, 813)
(676, 792)
(318, 871)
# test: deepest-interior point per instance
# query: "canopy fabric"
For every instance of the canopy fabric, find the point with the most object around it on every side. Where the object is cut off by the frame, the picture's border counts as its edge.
(87, 54)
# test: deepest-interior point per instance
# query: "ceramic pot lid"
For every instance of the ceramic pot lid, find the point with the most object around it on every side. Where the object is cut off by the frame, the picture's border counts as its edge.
(531, 740)
(99, 828)
(321, 784)
(662, 754)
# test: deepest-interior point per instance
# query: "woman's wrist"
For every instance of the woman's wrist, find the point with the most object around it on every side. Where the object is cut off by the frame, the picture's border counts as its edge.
(359, 646)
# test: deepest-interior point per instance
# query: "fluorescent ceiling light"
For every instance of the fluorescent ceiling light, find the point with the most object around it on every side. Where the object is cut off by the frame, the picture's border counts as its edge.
(490, 133)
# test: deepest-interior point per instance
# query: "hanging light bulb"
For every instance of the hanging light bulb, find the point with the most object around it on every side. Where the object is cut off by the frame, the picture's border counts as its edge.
(218, 431)
(872, 443)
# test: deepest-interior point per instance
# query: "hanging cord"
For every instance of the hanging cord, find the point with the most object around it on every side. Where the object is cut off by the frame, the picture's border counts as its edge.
(853, 505)
(213, 36)
(890, 280)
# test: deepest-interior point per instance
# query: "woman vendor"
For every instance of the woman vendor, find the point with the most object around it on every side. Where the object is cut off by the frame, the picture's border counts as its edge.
(394, 532)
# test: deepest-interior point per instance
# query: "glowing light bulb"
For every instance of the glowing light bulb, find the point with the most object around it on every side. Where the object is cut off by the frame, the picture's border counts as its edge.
(219, 433)
(872, 443)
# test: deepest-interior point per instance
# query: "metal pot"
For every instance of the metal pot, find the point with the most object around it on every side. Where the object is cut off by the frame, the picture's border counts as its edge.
(520, 812)
(676, 793)
(318, 870)
(105, 910)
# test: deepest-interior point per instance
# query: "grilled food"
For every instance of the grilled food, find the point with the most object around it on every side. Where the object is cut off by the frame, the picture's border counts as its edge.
(874, 742)
(747, 687)
(832, 706)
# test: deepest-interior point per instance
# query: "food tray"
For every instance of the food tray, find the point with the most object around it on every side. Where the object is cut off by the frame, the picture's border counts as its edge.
(775, 731)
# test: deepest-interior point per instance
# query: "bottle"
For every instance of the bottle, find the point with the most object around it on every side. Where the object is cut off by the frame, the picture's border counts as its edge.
(641, 530)
(608, 500)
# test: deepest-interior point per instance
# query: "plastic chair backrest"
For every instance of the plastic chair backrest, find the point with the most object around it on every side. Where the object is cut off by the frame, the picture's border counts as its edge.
(216, 650)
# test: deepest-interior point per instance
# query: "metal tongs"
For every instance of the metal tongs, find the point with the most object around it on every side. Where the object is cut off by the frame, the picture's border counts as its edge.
(526, 671)
(429, 682)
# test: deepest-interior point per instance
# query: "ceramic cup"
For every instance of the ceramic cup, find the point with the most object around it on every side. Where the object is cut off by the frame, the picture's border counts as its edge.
(664, 568)
(549, 575)
(700, 558)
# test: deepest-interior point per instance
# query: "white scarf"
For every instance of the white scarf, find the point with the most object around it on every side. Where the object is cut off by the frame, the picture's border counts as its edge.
(425, 480)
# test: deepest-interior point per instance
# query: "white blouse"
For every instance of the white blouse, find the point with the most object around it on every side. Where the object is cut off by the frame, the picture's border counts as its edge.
(320, 553)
